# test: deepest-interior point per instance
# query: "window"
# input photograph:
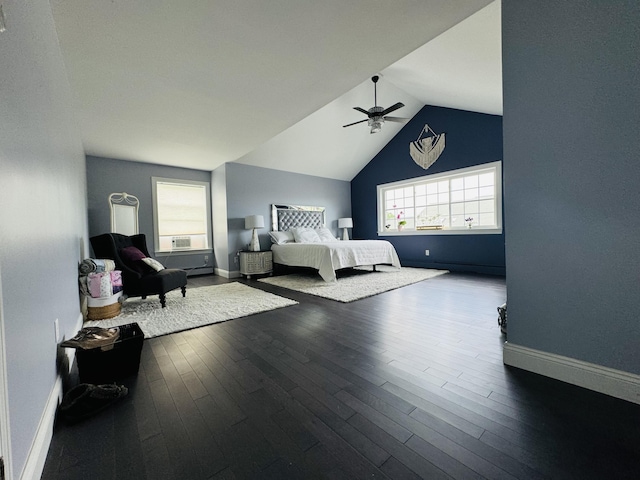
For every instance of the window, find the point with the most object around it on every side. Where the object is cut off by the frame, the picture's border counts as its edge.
(462, 201)
(180, 214)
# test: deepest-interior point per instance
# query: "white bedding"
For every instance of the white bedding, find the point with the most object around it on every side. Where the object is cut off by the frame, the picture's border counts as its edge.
(331, 256)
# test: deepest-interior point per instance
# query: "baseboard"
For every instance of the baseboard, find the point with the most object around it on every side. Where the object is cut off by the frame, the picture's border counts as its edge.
(37, 457)
(199, 271)
(227, 273)
(39, 448)
(458, 267)
(609, 381)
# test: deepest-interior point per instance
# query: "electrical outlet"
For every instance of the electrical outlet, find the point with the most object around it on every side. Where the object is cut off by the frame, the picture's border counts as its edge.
(426, 252)
(206, 259)
(56, 328)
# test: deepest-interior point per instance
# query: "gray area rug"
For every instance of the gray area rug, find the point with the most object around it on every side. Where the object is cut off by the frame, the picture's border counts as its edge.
(202, 306)
(361, 283)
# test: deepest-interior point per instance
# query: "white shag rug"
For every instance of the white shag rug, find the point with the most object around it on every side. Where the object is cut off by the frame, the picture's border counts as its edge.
(357, 285)
(202, 306)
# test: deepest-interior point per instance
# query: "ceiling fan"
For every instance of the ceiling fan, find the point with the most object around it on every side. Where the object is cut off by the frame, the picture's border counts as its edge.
(378, 115)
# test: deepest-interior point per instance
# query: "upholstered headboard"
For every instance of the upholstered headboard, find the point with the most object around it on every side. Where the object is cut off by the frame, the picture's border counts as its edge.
(286, 217)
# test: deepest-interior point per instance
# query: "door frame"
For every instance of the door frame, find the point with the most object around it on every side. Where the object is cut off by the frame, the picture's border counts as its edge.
(5, 431)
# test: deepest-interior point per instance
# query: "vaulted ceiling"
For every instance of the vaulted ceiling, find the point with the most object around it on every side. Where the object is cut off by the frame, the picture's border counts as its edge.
(197, 84)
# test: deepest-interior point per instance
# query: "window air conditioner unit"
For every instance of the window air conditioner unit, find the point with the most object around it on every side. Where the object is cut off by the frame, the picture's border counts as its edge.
(181, 243)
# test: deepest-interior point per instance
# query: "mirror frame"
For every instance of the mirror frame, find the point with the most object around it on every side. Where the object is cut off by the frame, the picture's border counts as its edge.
(117, 203)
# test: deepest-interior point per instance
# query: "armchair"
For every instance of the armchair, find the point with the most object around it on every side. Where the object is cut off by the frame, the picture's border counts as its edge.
(138, 280)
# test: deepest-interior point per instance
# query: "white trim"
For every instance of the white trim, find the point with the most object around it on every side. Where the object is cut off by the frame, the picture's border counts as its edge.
(448, 231)
(5, 430)
(37, 457)
(609, 381)
(156, 233)
(495, 166)
(227, 273)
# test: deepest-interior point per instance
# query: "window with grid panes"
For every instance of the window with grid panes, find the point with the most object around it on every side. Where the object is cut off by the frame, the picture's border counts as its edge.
(467, 200)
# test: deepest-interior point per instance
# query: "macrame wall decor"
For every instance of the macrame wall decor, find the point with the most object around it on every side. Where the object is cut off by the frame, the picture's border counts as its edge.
(426, 150)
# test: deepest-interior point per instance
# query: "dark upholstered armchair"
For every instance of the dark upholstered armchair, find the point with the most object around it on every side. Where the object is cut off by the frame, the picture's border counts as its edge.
(138, 278)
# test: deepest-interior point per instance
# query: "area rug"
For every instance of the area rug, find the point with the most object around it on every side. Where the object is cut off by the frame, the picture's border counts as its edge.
(357, 284)
(202, 306)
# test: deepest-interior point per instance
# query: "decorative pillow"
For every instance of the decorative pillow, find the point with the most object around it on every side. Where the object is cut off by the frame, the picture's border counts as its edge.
(280, 238)
(325, 235)
(131, 254)
(305, 235)
(153, 263)
(132, 258)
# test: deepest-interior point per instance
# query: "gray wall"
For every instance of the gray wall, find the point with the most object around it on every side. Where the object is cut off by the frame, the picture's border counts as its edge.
(571, 175)
(236, 191)
(252, 190)
(106, 176)
(43, 227)
(219, 214)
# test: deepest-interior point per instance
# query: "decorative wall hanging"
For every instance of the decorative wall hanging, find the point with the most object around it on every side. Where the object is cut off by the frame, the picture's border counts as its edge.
(425, 151)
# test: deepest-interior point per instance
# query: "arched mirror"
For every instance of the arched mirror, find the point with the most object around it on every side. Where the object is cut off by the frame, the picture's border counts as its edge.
(124, 213)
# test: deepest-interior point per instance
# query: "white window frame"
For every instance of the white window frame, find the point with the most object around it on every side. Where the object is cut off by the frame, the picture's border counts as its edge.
(462, 230)
(156, 232)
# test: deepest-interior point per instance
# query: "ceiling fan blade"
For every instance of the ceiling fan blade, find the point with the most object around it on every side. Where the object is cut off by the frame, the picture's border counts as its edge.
(396, 119)
(361, 110)
(392, 108)
(355, 123)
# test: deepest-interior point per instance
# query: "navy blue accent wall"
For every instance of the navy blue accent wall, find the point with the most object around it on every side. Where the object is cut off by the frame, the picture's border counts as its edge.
(471, 139)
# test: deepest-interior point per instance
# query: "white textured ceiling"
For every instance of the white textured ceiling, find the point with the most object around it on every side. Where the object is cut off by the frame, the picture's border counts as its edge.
(268, 83)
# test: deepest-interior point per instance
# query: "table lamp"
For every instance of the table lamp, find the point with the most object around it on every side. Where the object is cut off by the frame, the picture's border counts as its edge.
(345, 223)
(254, 222)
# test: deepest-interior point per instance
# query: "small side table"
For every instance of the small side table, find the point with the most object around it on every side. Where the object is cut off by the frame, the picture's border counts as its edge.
(255, 263)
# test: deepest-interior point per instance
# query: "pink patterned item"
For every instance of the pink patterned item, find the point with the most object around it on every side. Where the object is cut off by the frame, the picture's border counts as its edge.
(99, 284)
(116, 278)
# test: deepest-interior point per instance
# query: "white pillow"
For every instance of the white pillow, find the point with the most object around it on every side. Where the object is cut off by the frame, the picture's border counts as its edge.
(305, 235)
(153, 263)
(325, 235)
(280, 238)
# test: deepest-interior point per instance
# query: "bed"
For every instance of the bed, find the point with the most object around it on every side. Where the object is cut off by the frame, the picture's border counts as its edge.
(300, 239)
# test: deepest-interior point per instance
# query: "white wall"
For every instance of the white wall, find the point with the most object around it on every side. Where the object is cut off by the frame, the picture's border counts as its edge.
(43, 227)
(219, 214)
(572, 177)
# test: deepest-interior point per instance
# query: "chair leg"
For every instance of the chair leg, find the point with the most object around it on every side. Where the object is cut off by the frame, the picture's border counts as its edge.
(163, 300)
(184, 291)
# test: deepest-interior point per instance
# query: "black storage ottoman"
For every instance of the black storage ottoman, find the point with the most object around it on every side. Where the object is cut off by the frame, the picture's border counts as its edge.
(114, 362)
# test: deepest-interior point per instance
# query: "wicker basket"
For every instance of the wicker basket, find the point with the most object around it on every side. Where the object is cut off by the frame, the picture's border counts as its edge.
(102, 313)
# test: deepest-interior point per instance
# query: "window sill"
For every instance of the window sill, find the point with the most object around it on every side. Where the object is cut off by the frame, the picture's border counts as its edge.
(461, 231)
(165, 253)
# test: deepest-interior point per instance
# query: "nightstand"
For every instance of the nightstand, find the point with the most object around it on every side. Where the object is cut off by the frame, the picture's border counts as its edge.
(255, 263)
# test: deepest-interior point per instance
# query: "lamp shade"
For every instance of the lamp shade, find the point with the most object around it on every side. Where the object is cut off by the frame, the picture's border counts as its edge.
(253, 221)
(345, 223)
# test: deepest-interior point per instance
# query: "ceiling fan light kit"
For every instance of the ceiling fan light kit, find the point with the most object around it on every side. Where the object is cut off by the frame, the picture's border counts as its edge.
(378, 115)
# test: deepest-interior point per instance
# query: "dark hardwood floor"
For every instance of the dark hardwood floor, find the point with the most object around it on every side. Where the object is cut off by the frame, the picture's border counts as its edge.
(405, 384)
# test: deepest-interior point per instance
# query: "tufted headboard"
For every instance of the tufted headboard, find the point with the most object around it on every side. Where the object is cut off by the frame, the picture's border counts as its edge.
(285, 217)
